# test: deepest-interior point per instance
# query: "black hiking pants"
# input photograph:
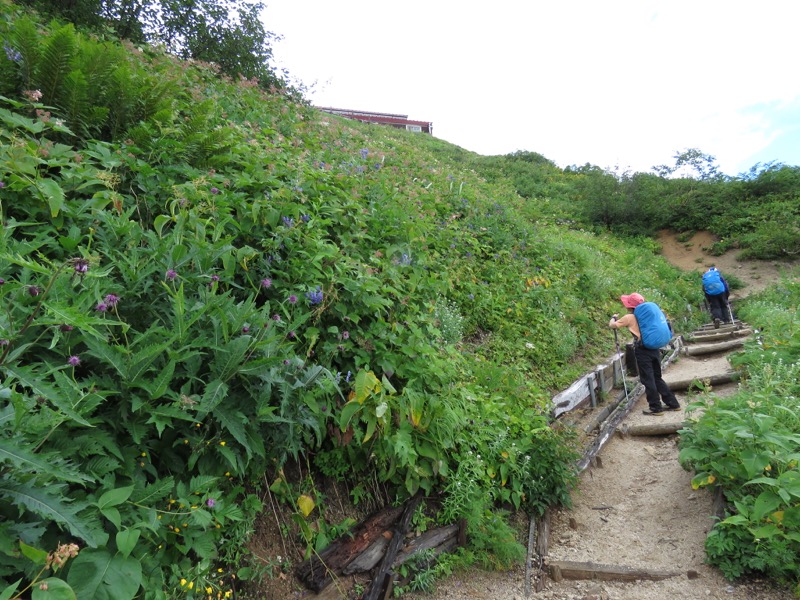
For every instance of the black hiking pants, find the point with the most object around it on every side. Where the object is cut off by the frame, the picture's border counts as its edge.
(649, 363)
(719, 306)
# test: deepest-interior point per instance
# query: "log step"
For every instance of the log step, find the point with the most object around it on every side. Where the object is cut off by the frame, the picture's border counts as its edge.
(564, 569)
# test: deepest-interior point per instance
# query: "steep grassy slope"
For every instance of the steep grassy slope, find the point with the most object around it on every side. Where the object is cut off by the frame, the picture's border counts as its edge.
(204, 281)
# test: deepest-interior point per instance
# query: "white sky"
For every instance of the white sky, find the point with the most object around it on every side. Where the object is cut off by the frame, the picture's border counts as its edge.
(616, 83)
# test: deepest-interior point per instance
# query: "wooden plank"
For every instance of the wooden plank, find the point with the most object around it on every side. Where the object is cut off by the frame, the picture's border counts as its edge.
(590, 570)
(381, 583)
(434, 538)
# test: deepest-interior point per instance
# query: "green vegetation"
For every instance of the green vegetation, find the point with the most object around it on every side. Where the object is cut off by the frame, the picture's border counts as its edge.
(207, 286)
(748, 445)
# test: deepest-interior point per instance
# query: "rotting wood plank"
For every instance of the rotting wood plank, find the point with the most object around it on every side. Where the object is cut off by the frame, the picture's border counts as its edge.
(318, 571)
(436, 539)
(718, 335)
(610, 426)
(382, 581)
(589, 570)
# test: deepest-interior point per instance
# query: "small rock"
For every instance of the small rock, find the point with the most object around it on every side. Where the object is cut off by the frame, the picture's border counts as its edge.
(730, 589)
(692, 574)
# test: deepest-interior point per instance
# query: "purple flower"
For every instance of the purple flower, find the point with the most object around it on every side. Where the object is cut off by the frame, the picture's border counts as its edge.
(214, 190)
(266, 283)
(276, 317)
(74, 360)
(305, 218)
(292, 335)
(288, 221)
(111, 300)
(2, 281)
(4, 342)
(364, 153)
(65, 328)
(34, 290)
(347, 379)
(214, 278)
(12, 53)
(246, 329)
(210, 503)
(315, 297)
(2, 184)
(345, 335)
(285, 361)
(171, 274)
(81, 266)
(101, 306)
(292, 299)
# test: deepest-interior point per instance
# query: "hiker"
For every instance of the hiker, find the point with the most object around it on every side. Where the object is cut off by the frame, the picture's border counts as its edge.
(716, 290)
(648, 355)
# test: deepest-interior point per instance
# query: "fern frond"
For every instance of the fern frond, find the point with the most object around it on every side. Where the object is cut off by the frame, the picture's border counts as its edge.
(54, 64)
(26, 42)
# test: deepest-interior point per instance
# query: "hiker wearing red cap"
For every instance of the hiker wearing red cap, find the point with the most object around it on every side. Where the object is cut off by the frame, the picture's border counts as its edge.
(648, 359)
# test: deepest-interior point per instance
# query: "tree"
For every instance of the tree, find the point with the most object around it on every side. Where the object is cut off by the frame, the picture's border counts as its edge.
(226, 32)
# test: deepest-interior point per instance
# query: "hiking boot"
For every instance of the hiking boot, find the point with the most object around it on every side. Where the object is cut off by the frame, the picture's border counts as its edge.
(716, 323)
(653, 413)
(671, 408)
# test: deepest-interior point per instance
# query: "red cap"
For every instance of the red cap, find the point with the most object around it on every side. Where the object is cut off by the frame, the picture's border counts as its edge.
(632, 301)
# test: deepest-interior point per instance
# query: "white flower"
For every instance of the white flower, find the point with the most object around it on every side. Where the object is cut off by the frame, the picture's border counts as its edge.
(528, 345)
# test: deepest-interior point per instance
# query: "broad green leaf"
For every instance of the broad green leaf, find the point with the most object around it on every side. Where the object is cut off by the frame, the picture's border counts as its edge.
(112, 514)
(35, 555)
(97, 575)
(52, 588)
(114, 497)
(126, 541)
(348, 412)
(52, 193)
(7, 593)
(234, 422)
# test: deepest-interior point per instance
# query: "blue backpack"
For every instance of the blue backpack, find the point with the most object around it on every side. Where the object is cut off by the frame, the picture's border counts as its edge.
(656, 332)
(712, 283)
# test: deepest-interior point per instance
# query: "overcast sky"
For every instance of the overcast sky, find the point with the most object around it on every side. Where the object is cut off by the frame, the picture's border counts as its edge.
(620, 84)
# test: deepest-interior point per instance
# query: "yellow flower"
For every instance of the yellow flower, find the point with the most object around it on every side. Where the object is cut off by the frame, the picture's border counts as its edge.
(191, 585)
(227, 473)
(222, 443)
(209, 590)
(144, 453)
(177, 530)
(183, 582)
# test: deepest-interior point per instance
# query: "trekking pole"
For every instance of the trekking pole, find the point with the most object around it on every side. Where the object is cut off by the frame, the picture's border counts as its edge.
(730, 312)
(621, 366)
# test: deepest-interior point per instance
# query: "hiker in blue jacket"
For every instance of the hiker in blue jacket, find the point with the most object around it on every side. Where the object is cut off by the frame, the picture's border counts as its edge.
(716, 290)
(648, 360)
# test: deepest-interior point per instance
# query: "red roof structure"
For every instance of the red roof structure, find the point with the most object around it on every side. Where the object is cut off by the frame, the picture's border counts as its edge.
(392, 120)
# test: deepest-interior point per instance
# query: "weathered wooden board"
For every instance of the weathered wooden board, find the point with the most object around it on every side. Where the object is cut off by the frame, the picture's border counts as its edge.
(564, 569)
(701, 349)
(653, 429)
(683, 384)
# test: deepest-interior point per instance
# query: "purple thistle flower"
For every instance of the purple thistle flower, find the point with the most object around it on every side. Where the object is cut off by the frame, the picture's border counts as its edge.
(34, 290)
(81, 266)
(214, 278)
(101, 306)
(292, 299)
(292, 335)
(266, 283)
(286, 361)
(2, 281)
(171, 274)
(210, 503)
(246, 329)
(4, 342)
(276, 317)
(111, 300)
(74, 360)
(214, 190)
(65, 328)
